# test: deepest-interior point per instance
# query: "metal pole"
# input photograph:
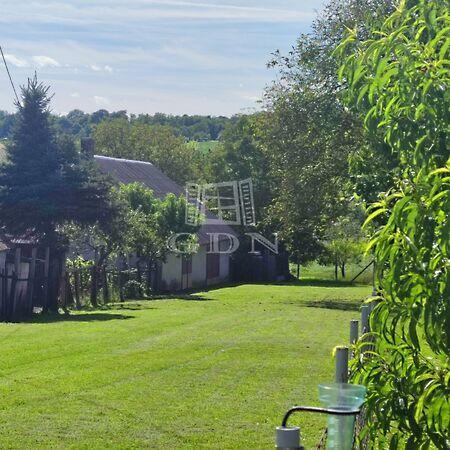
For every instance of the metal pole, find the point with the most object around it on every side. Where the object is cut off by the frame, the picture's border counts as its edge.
(288, 438)
(341, 365)
(354, 331)
(354, 334)
(365, 312)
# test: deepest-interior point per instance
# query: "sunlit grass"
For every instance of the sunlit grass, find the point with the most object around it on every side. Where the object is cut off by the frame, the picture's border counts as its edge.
(213, 370)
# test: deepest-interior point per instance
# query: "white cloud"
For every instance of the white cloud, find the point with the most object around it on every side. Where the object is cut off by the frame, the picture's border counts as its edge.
(45, 61)
(75, 94)
(145, 10)
(101, 101)
(15, 61)
(97, 68)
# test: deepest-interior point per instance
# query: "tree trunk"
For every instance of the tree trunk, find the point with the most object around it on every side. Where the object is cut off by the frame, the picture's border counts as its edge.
(76, 282)
(54, 281)
(343, 270)
(120, 281)
(335, 269)
(298, 271)
(149, 277)
(69, 292)
(94, 271)
(106, 296)
(139, 277)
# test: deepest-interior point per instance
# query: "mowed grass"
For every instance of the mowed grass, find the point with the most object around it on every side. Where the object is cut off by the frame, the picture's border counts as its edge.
(206, 146)
(212, 370)
(315, 271)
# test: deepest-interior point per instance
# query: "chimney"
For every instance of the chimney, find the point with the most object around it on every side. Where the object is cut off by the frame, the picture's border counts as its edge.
(87, 147)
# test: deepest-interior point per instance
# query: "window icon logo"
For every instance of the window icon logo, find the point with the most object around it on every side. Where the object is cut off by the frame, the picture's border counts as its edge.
(226, 203)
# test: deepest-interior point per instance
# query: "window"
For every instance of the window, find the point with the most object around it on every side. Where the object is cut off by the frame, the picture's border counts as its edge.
(212, 265)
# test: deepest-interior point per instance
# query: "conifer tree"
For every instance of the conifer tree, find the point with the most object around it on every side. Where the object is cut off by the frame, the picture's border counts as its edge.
(46, 183)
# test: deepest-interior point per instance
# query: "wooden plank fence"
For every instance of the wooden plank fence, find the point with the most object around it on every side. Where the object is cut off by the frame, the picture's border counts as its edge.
(16, 298)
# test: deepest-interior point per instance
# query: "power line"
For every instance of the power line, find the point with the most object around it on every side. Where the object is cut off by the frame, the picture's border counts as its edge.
(9, 75)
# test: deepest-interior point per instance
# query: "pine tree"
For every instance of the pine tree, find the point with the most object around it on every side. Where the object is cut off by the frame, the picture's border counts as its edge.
(47, 183)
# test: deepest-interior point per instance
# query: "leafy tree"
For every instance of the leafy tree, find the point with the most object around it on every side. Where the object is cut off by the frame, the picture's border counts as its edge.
(344, 242)
(308, 135)
(156, 144)
(75, 123)
(308, 139)
(241, 156)
(151, 222)
(6, 124)
(101, 244)
(399, 78)
(45, 184)
(141, 228)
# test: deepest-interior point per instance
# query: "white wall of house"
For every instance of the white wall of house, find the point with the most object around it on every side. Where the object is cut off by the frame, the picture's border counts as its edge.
(172, 278)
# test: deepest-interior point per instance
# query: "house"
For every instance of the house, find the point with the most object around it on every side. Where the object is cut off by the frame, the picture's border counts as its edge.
(177, 272)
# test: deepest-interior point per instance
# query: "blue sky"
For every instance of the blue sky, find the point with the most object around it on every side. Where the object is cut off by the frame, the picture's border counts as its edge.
(171, 56)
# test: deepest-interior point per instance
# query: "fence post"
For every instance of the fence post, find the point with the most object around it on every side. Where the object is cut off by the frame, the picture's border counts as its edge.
(17, 307)
(31, 277)
(365, 312)
(354, 334)
(12, 297)
(341, 365)
(46, 278)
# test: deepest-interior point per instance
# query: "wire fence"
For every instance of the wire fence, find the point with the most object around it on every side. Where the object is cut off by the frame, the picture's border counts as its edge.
(342, 374)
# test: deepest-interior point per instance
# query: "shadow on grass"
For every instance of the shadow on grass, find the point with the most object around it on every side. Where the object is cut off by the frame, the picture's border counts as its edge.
(342, 305)
(318, 283)
(333, 304)
(148, 303)
(88, 317)
(182, 296)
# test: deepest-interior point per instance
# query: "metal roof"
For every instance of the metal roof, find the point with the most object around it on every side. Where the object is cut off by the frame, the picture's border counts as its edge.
(129, 171)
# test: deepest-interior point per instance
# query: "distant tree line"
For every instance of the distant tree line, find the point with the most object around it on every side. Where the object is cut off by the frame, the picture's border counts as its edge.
(80, 124)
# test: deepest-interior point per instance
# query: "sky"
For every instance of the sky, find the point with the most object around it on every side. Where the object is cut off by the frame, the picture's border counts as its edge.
(147, 56)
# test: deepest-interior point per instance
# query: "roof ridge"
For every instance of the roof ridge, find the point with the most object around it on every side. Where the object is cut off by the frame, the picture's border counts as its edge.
(124, 160)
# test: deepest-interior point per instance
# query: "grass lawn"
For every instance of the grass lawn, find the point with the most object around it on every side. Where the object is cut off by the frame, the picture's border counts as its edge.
(316, 271)
(205, 146)
(213, 370)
